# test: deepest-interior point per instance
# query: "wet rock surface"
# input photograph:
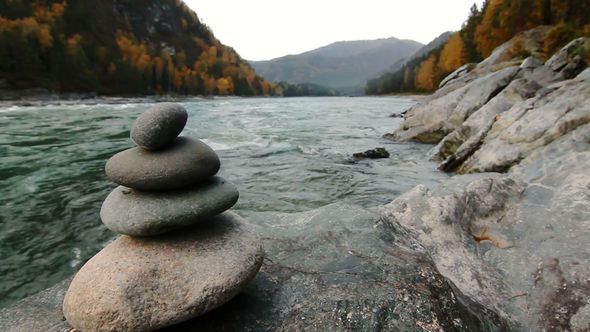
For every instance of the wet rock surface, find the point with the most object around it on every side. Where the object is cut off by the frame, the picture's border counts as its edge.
(377, 153)
(343, 268)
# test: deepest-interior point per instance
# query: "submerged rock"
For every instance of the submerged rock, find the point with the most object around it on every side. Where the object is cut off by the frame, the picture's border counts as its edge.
(143, 213)
(143, 284)
(159, 126)
(188, 161)
(376, 153)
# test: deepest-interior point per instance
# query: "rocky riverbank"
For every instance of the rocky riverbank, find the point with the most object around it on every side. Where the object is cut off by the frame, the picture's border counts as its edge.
(514, 241)
(500, 247)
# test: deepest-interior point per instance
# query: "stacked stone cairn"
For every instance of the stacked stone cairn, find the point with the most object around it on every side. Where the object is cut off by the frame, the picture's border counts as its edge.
(180, 254)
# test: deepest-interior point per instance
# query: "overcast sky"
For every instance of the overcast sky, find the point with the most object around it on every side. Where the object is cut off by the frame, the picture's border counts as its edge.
(266, 29)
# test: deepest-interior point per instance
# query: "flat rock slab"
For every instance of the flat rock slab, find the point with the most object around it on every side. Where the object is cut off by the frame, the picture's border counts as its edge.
(37, 313)
(146, 213)
(159, 126)
(187, 162)
(143, 284)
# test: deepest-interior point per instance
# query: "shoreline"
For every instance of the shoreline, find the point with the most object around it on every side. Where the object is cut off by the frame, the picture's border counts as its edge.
(68, 100)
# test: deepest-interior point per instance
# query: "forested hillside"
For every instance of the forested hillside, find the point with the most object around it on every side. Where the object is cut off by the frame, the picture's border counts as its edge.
(484, 30)
(118, 47)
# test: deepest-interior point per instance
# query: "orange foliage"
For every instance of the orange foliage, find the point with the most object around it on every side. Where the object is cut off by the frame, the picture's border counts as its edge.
(451, 56)
(265, 87)
(73, 44)
(224, 86)
(134, 53)
(425, 78)
(48, 14)
(503, 19)
(211, 56)
(209, 83)
(45, 38)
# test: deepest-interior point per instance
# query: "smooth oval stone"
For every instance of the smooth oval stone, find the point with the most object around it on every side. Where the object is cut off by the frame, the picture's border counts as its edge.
(144, 213)
(143, 284)
(185, 163)
(159, 126)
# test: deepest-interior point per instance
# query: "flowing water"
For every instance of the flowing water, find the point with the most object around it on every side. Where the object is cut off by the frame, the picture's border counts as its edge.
(285, 155)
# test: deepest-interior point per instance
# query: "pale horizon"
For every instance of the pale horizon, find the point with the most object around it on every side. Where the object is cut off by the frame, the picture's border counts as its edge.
(265, 29)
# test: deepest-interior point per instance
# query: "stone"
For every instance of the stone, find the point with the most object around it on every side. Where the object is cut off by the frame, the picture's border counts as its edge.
(38, 312)
(456, 74)
(376, 153)
(561, 59)
(531, 63)
(144, 213)
(144, 284)
(530, 125)
(584, 75)
(515, 243)
(185, 163)
(159, 126)
(463, 141)
(424, 125)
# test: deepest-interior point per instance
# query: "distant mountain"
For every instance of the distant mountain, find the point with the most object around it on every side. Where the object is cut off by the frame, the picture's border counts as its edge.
(340, 65)
(117, 47)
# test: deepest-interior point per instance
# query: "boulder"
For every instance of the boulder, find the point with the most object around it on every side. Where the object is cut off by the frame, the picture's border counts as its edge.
(159, 126)
(376, 153)
(531, 63)
(143, 284)
(562, 58)
(144, 213)
(555, 111)
(465, 140)
(187, 162)
(456, 74)
(516, 243)
(430, 122)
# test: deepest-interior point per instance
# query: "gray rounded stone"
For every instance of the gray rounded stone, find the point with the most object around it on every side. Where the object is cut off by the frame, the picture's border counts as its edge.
(185, 163)
(143, 213)
(159, 126)
(143, 284)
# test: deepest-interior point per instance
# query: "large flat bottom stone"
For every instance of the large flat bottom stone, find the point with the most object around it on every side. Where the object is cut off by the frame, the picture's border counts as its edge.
(143, 284)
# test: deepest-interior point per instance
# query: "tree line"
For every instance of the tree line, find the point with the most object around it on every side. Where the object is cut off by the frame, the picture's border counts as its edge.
(115, 47)
(484, 30)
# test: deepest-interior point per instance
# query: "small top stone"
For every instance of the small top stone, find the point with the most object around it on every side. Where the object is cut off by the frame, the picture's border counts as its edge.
(159, 126)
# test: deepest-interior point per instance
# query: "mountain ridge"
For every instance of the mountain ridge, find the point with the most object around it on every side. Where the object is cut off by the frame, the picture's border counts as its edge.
(339, 65)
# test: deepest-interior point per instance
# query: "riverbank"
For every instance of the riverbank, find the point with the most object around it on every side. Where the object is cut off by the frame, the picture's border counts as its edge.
(39, 99)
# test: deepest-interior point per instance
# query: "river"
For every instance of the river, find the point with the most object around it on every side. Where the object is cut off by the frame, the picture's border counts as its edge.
(285, 155)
